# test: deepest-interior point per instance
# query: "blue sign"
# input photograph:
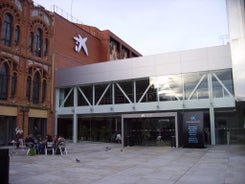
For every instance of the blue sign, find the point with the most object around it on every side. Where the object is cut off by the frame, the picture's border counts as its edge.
(193, 130)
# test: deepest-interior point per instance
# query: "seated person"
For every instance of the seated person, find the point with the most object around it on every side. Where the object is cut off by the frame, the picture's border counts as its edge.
(40, 145)
(31, 145)
(60, 141)
(48, 138)
(49, 144)
(118, 138)
(29, 141)
(55, 140)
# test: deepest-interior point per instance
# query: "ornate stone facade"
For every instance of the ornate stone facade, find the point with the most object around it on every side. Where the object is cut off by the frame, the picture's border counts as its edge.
(26, 68)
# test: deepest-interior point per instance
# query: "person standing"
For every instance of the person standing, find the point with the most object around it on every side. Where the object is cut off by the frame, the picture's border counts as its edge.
(19, 137)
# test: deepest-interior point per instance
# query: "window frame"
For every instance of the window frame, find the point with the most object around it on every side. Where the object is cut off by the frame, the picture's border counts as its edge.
(4, 81)
(7, 29)
(36, 88)
(38, 42)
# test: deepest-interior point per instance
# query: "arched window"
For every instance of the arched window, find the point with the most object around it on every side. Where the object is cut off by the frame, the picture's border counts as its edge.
(17, 35)
(44, 91)
(4, 81)
(36, 88)
(31, 39)
(7, 29)
(38, 46)
(28, 88)
(13, 86)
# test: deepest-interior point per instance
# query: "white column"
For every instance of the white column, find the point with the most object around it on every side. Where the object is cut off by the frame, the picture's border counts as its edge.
(74, 128)
(212, 125)
(75, 115)
(211, 109)
(176, 131)
(122, 125)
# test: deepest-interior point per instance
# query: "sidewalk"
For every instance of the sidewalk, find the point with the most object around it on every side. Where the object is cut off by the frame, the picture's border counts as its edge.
(222, 164)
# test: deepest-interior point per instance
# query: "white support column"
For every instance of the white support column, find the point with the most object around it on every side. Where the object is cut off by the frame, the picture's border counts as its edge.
(122, 125)
(113, 93)
(75, 126)
(211, 109)
(212, 125)
(176, 131)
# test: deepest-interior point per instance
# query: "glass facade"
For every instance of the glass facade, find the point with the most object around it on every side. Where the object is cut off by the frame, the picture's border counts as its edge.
(201, 89)
(190, 86)
(229, 126)
(196, 86)
(96, 129)
(222, 84)
(157, 131)
(168, 87)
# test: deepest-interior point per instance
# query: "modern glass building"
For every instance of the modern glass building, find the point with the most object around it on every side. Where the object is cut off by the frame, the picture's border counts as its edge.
(152, 100)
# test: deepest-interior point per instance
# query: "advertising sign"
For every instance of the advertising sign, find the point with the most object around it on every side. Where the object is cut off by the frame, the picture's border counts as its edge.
(193, 130)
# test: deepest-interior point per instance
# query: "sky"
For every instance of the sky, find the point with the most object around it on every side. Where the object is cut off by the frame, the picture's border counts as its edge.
(152, 26)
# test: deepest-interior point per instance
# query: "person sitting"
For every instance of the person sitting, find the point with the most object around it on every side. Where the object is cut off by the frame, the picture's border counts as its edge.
(55, 140)
(40, 145)
(118, 138)
(60, 145)
(29, 140)
(48, 139)
(49, 144)
(30, 144)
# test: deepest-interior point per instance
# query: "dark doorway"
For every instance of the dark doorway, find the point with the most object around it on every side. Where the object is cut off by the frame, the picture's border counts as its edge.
(7, 129)
(65, 128)
(37, 127)
(154, 131)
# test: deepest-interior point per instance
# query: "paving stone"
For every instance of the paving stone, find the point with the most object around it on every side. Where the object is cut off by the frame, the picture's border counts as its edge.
(131, 165)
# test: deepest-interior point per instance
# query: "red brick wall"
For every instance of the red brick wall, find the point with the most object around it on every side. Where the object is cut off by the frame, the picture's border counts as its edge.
(64, 44)
(24, 59)
(97, 43)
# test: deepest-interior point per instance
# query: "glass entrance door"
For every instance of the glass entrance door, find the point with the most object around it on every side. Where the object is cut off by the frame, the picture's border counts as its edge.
(151, 129)
(156, 131)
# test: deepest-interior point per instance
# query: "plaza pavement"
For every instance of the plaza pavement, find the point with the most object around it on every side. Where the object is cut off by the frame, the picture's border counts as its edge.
(110, 163)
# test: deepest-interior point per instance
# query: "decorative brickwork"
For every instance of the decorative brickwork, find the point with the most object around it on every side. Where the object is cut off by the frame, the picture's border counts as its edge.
(26, 62)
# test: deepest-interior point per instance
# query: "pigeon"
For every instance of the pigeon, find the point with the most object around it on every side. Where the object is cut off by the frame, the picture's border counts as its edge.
(77, 160)
(107, 148)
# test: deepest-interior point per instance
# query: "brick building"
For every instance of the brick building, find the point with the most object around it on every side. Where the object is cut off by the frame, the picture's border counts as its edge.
(101, 45)
(25, 69)
(34, 44)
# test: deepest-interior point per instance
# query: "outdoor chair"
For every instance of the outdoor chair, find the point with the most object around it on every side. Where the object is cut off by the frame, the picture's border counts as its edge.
(49, 147)
(62, 148)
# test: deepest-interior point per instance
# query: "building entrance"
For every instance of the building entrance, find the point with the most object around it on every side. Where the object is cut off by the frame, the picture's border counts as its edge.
(150, 129)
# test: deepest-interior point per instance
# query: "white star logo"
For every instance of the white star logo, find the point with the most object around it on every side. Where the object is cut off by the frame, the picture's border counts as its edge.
(80, 43)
